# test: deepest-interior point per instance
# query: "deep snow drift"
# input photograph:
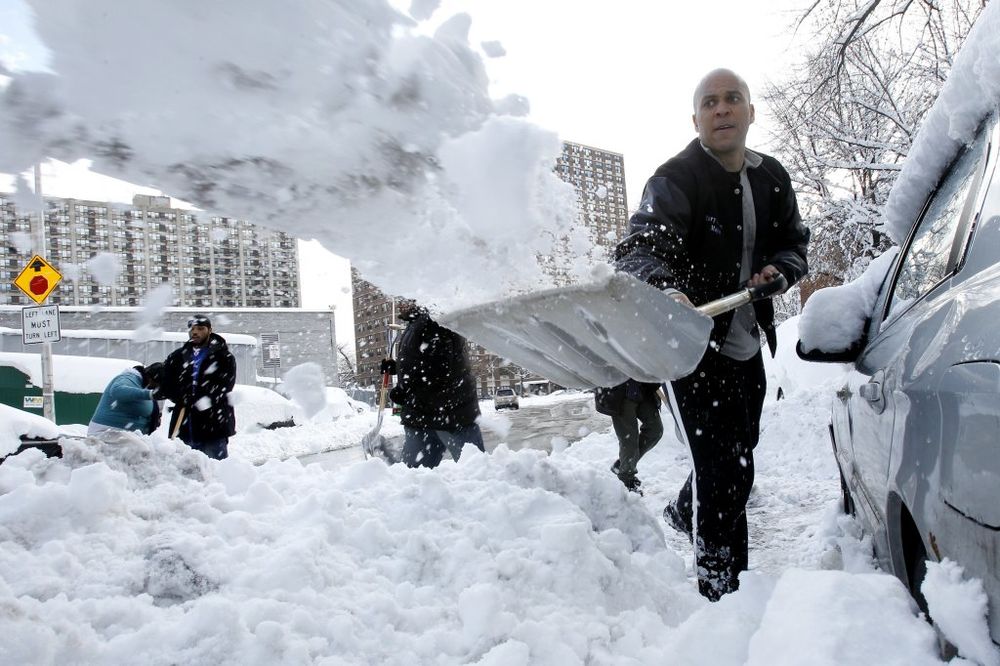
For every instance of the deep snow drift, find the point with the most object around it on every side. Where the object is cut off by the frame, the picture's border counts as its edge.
(136, 550)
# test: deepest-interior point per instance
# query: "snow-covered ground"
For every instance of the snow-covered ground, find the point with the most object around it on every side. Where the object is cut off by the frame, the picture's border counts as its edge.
(137, 550)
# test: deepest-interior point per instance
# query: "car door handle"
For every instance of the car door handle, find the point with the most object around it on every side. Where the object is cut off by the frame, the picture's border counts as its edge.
(872, 391)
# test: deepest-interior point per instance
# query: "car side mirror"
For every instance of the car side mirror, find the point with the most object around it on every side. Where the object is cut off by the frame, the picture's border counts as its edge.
(849, 355)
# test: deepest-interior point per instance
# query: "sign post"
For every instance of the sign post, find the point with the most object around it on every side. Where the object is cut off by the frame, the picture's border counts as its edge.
(40, 325)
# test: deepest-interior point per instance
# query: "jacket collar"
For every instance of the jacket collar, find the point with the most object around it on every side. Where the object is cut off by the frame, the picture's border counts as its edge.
(751, 160)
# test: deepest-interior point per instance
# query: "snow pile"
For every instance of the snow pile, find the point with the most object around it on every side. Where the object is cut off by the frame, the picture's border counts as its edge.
(70, 374)
(305, 385)
(959, 608)
(326, 122)
(834, 319)
(15, 422)
(137, 549)
(132, 549)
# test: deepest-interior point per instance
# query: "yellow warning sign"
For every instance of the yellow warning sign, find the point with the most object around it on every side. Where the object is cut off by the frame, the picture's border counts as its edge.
(37, 279)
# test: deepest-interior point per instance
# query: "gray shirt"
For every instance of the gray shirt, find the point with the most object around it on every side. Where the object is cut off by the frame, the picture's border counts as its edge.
(743, 340)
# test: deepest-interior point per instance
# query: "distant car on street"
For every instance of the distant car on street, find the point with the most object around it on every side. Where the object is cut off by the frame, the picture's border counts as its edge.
(505, 398)
(916, 427)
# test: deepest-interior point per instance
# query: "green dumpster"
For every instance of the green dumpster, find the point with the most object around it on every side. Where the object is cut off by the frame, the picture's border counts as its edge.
(20, 384)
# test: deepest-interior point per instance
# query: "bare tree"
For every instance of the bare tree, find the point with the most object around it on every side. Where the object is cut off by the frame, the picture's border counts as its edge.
(847, 116)
(346, 367)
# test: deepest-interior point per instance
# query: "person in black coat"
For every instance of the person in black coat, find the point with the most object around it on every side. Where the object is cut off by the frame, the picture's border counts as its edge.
(435, 390)
(715, 218)
(198, 379)
(634, 408)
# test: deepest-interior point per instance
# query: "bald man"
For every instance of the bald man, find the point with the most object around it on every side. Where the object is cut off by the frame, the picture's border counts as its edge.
(713, 219)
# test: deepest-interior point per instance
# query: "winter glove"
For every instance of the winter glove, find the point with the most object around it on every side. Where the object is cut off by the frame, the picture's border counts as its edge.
(396, 394)
(388, 366)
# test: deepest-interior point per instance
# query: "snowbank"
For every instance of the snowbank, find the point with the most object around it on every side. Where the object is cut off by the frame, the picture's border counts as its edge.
(70, 374)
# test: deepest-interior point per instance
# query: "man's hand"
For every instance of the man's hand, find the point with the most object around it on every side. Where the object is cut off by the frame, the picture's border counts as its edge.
(387, 366)
(767, 274)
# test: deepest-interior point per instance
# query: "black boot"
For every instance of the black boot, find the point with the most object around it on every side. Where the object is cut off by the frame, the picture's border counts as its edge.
(673, 517)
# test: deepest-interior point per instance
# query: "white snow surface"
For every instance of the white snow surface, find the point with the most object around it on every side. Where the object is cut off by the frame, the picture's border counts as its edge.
(305, 385)
(324, 122)
(834, 318)
(961, 604)
(70, 374)
(134, 549)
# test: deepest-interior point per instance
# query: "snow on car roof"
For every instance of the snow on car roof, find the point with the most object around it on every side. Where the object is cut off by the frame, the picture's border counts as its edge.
(971, 93)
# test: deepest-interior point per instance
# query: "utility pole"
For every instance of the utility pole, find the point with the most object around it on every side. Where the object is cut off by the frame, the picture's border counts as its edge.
(38, 243)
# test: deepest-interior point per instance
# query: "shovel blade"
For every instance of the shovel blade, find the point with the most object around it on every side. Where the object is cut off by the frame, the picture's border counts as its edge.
(585, 336)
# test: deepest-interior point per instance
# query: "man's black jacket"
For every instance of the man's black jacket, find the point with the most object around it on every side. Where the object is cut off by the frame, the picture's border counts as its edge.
(688, 232)
(434, 385)
(206, 403)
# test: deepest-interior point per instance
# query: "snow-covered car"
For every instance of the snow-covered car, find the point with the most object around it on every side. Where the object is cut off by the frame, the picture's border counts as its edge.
(916, 426)
(505, 398)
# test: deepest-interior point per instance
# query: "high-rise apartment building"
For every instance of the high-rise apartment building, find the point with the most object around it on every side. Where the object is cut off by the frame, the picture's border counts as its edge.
(208, 261)
(599, 179)
(374, 312)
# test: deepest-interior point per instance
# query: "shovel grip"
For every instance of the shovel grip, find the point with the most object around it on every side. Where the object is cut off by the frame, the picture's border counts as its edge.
(740, 298)
(768, 289)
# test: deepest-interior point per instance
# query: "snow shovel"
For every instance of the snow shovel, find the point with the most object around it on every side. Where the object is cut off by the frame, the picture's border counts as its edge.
(373, 439)
(177, 426)
(600, 334)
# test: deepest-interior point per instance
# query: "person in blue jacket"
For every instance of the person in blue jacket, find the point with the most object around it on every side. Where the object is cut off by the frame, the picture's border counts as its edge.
(129, 402)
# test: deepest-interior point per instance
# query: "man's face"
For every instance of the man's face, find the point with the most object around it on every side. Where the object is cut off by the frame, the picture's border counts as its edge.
(723, 113)
(199, 334)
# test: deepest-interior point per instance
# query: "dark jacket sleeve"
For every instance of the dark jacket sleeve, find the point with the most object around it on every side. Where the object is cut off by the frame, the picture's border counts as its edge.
(657, 234)
(170, 384)
(790, 256)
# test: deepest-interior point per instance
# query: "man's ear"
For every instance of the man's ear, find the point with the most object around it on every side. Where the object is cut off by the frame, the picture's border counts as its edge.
(752, 113)
(694, 118)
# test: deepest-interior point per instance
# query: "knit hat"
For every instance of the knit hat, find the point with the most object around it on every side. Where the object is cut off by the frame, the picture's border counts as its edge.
(199, 320)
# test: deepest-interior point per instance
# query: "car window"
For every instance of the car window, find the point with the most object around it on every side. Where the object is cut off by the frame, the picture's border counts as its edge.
(929, 257)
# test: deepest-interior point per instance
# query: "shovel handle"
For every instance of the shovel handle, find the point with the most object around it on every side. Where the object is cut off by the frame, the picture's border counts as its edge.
(744, 296)
(177, 426)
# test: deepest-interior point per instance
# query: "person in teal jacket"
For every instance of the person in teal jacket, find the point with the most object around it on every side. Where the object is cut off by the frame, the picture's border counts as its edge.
(129, 402)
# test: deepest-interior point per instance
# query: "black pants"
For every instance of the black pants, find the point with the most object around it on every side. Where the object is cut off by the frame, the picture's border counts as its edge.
(635, 441)
(720, 405)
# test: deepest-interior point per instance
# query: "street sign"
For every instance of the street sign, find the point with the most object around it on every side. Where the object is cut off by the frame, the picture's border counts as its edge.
(40, 323)
(37, 279)
(33, 402)
(270, 345)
